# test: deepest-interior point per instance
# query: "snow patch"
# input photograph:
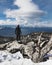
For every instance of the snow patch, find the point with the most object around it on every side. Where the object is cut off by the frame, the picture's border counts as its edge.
(7, 58)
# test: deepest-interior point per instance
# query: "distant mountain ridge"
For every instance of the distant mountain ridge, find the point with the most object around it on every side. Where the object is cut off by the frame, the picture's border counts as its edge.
(10, 30)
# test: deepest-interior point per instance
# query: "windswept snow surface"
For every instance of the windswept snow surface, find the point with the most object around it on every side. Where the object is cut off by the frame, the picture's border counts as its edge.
(7, 58)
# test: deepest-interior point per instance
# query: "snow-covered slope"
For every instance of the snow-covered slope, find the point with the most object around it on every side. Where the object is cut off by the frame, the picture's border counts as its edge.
(7, 58)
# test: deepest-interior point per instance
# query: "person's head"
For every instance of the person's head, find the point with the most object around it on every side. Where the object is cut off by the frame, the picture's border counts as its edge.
(18, 26)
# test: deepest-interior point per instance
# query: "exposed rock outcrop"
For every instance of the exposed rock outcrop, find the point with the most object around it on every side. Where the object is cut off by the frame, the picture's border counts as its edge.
(26, 50)
(31, 46)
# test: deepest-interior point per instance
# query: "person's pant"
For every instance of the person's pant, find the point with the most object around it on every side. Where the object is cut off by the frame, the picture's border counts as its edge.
(18, 37)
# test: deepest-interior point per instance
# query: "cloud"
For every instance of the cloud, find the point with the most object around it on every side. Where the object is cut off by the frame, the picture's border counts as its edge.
(40, 24)
(6, 22)
(27, 13)
(27, 24)
(11, 22)
(27, 6)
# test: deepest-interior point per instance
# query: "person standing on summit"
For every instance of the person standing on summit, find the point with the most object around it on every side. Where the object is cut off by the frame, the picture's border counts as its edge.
(18, 32)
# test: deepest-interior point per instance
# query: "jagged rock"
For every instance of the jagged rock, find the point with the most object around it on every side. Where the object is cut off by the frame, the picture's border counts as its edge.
(13, 46)
(31, 46)
(26, 50)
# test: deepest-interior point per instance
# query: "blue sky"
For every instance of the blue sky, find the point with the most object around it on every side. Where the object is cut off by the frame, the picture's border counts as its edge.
(26, 12)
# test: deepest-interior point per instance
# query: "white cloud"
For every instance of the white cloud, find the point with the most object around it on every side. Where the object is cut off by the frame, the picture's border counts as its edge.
(6, 22)
(39, 24)
(26, 9)
(27, 6)
(26, 15)
(34, 24)
(11, 22)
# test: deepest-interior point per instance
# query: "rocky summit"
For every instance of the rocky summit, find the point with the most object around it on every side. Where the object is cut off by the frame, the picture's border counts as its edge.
(34, 46)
